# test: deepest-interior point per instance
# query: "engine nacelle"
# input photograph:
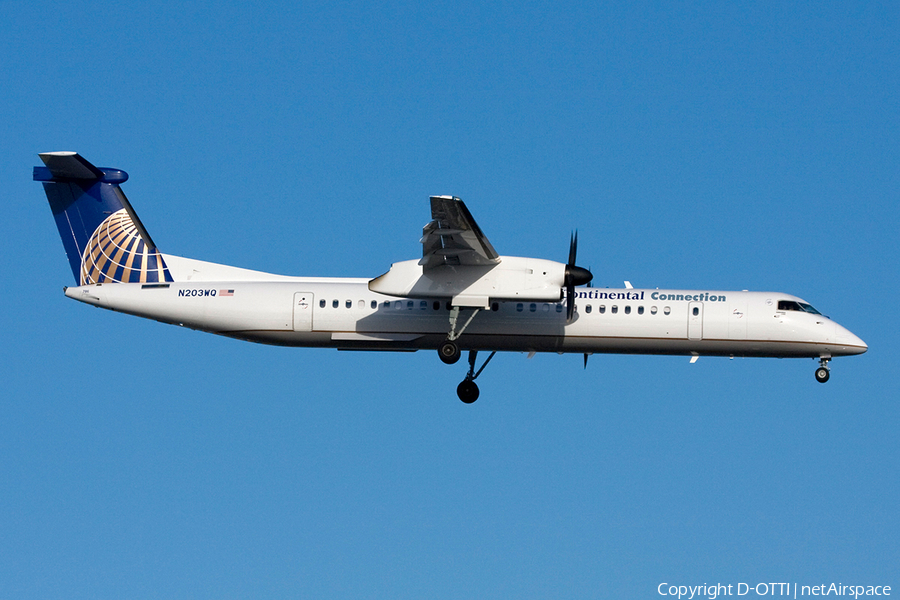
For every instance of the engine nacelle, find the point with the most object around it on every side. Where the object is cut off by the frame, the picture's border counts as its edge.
(513, 278)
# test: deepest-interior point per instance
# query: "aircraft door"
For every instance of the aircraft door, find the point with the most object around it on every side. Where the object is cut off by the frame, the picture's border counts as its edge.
(695, 321)
(303, 311)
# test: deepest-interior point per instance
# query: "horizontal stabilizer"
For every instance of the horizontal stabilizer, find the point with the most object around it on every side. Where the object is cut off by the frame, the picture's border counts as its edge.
(70, 165)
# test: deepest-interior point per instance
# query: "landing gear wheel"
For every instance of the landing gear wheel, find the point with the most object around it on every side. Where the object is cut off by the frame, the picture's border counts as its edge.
(449, 352)
(822, 374)
(467, 391)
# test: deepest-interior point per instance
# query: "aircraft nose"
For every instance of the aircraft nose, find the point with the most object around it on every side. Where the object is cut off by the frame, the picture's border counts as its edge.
(849, 342)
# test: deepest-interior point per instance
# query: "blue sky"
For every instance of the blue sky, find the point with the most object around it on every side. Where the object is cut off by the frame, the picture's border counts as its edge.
(696, 145)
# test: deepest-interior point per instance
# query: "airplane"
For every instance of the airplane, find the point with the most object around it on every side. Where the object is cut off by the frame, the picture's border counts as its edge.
(460, 295)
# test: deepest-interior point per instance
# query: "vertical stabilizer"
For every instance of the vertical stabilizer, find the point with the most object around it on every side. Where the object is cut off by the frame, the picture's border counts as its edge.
(102, 235)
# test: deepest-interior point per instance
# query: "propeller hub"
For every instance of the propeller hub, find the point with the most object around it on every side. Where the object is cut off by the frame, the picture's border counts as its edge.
(577, 275)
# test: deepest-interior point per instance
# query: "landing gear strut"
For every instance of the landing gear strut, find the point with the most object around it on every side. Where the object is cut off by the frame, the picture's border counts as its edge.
(822, 373)
(449, 350)
(467, 390)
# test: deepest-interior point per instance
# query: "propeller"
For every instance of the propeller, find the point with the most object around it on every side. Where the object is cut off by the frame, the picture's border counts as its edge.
(574, 276)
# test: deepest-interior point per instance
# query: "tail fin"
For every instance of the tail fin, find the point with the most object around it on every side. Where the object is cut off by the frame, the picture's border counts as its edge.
(103, 237)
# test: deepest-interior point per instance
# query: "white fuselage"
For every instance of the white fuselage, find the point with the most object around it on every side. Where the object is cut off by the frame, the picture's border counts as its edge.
(460, 295)
(345, 314)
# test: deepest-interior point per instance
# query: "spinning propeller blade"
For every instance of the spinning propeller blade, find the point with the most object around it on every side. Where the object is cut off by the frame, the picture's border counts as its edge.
(575, 275)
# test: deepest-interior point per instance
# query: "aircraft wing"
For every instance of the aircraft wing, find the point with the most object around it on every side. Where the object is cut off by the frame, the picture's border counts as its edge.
(460, 264)
(453, 237)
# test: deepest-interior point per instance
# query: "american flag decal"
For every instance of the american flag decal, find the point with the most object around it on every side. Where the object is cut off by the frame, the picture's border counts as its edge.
(226, 292)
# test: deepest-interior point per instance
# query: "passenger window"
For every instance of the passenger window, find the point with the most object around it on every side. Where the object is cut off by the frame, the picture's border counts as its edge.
(666, 310)
(696, 311)
(374, 304)
(627, 310)
(436, 305)
(519, 307)
(495, 307)
(361, 304)
(559, 308)
(587, 309)
(653, 310)
(546, 308)
(533, 307)
(423, 305)
(410, 304)
(614, 309)
(348, 303)
(322, 303)
(398, 305)
(640, 310)
(602, 309)
(336, 303)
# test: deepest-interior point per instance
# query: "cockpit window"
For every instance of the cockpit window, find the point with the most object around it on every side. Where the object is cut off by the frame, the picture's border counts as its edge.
(808, 308)
(798, 306)
(788, 305)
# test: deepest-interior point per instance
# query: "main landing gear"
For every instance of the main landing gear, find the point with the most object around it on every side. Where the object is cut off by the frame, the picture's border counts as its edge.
(467, 390)
(822, 373)
(450, 353)
(449, 350)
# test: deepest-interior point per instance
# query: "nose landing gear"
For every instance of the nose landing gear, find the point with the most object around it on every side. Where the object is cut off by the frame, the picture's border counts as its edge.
(822, 373)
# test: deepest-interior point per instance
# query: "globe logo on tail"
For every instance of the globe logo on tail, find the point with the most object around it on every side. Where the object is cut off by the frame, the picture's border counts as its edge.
(116, 253)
